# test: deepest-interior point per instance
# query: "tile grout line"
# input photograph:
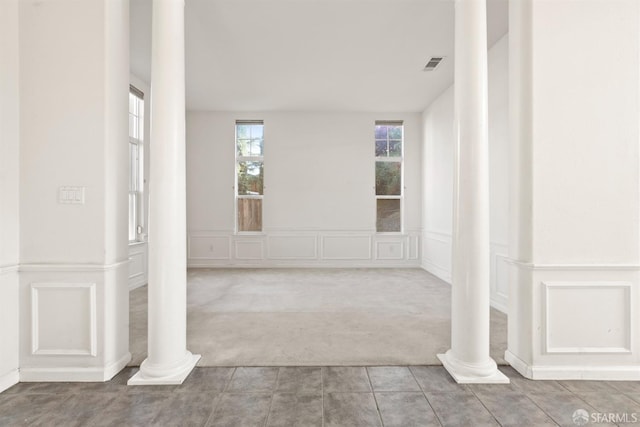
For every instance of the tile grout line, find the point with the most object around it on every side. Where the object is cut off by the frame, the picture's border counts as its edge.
(273, 393)
(425, 397)
(375, 399)
(233, 374)
(322, 391)
(527, 394)
(213, 410)
(473, 392)
(558, 423)
(220, 396)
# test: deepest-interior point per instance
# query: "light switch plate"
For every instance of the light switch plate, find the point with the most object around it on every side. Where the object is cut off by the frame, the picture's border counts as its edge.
(71, 195)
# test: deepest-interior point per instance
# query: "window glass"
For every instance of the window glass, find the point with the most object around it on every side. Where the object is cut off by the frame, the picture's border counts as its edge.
(388, 174)
(249, 175)
(388, 215)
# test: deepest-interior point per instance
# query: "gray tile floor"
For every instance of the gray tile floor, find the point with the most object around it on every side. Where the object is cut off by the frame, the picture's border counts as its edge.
(320, 396)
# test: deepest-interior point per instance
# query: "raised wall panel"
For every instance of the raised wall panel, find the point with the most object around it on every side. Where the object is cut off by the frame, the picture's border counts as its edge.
(587, 317)
(292, 247)
(437, 254)
(499, 278)
(389, 250)
(209, 247)
(414, 247)
(250, 250)
(502, 276)
(63, 319)
(346, 247)
(304, 248)
(136, 265)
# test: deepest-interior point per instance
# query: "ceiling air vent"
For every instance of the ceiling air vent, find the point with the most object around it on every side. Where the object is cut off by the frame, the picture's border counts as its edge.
(433, 63)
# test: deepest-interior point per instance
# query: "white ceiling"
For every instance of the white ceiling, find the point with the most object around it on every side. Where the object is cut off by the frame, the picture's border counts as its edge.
(312, 55)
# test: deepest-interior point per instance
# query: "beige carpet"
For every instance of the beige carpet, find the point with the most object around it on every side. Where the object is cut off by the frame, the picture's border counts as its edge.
(319, 317)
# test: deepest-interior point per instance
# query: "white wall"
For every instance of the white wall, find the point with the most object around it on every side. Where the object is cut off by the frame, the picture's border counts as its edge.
(437, 210)
(575, 206)
(73, 132)
(587, 144)
(9, 185)
(319, 205)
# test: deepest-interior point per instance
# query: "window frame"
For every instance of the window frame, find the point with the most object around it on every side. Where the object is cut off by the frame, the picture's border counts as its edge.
(251, 158)
(388, 158)
(136, 183)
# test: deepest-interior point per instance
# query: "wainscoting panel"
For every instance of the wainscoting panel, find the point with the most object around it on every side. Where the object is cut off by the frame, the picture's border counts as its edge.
(436, 254)
(436, 259)
(73, 321)
(389, 250)
(414, 247)
(587, 317)
(209, 247)
(354, 247)
(292, 247)
(303, 248)
(499, 277)
(249, 249)
(138, 261)
(72, 305)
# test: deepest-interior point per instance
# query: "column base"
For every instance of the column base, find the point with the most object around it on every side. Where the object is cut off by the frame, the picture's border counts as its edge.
(175, 377)
(468, 374)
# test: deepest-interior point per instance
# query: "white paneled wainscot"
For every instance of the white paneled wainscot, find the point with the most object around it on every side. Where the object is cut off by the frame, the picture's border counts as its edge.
(303, 249)
(138, 261)
(437, 261)
(73, 322)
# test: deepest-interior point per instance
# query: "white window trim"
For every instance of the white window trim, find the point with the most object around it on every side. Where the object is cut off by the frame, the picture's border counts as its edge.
(139, 192)
(391, 159)
(235, 182)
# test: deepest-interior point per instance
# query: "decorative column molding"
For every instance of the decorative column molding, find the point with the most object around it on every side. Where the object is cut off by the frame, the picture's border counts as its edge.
(468, 360)
(168, 360)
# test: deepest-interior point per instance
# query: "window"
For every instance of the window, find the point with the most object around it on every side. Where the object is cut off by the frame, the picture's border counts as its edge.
(136, 138)
(249, 175)
(389, 188)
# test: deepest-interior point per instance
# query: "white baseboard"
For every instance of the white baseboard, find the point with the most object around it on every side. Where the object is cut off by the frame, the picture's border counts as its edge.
(518, 364)
(74, 374)
(9, 379)
(499, 305)
(137, 285)
(574, 372)
(112, 370)
(439, 272)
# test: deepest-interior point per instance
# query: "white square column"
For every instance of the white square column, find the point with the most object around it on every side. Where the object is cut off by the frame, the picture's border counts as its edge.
(574, 296)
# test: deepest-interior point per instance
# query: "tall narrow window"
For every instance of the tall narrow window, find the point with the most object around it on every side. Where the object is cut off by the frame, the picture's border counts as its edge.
(249, 175)
(136, 145)
(389, 188)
